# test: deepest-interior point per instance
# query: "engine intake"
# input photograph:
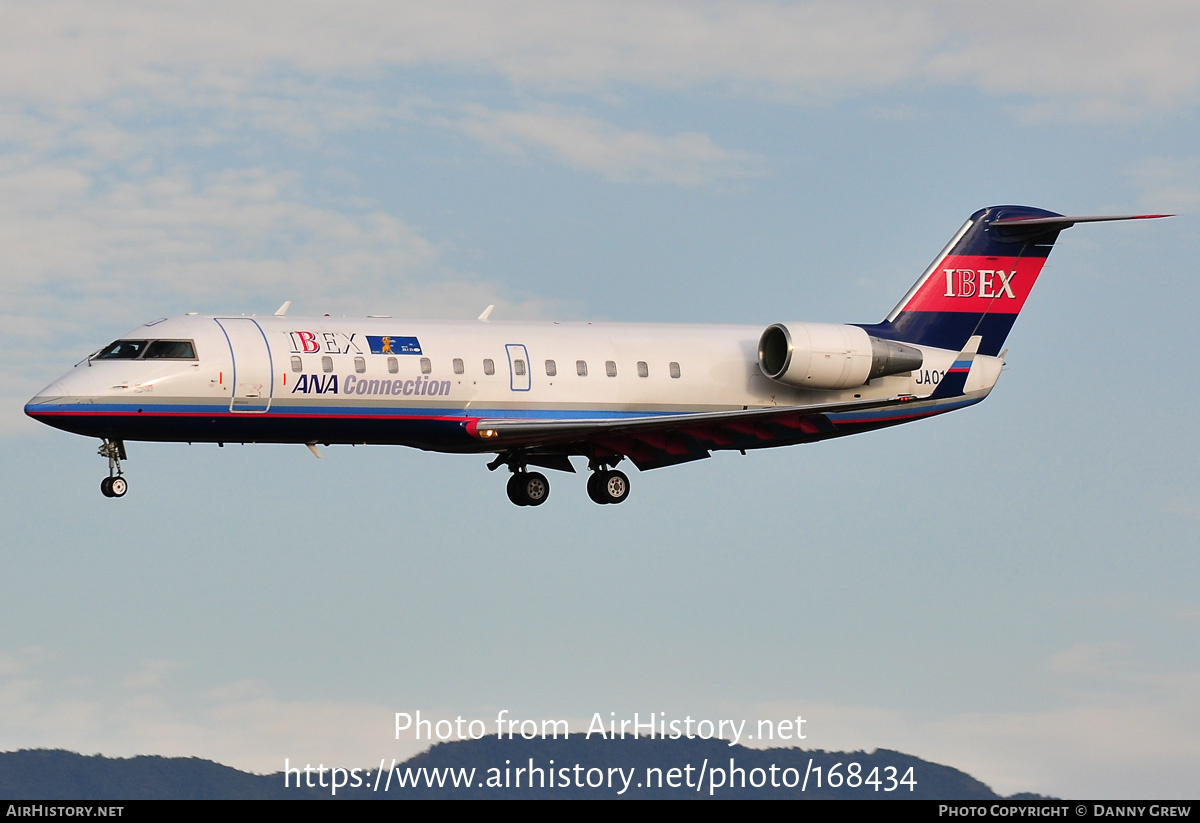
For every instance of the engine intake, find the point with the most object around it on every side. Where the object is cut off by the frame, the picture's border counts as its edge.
(830, 356)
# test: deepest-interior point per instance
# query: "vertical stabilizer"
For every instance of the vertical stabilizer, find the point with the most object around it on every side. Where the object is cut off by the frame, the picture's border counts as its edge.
(979, 283)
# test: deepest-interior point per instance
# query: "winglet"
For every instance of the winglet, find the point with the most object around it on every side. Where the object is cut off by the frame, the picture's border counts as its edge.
(954, 381)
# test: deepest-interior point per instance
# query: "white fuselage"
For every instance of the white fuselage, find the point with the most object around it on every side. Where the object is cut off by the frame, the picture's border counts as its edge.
(387, 380)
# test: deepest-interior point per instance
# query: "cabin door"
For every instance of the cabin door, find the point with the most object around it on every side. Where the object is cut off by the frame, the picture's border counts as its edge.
(253, 375)
(518, 366)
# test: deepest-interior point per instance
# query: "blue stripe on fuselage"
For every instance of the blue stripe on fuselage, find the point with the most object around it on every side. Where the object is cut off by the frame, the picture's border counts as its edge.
(323, 411)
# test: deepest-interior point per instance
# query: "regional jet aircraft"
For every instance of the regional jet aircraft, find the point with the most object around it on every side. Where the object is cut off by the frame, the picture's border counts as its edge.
(538, 394)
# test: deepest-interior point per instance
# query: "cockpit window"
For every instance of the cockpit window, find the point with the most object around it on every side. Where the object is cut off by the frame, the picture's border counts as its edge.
(148, 349)
(171, 350)
(122, 350)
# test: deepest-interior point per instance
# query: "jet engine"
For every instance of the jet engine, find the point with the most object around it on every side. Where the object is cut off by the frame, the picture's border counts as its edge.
(830, 356)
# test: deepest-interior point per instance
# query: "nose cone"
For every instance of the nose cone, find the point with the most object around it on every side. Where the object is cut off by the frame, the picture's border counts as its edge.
(49, 396)
(54, 404)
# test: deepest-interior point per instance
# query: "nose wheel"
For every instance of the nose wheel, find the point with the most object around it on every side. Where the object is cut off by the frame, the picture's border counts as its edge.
(113, 487)
(115, 484)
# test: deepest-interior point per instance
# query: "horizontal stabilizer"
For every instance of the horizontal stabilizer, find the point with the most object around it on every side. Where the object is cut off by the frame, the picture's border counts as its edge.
(1063, 221)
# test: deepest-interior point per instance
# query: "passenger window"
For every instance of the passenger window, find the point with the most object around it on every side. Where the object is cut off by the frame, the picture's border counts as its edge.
(297, 363)
(643, 369)
(581, 367)
(326, 363)
(425, 365)
(674, 369)
(458, 365)
(360, 365)
(393, 366)
(519, 368)
(488, 366)
(610, 368)
(551, 369)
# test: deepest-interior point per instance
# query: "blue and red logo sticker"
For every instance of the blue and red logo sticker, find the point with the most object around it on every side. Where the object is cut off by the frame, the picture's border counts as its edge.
(393, 344)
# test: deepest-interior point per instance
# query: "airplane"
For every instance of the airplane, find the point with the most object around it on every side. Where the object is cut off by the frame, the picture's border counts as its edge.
(538, 394)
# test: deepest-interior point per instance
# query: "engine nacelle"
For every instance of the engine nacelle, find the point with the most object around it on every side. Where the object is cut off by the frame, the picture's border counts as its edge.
(830, 356)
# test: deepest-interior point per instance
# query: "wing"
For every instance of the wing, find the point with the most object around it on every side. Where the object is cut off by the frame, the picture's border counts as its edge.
(653, 441)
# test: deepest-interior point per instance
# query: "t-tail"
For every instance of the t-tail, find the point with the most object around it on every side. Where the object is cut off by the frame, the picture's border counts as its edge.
(979, 283)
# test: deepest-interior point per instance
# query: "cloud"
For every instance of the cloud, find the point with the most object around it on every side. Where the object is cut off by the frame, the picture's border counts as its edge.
(1075, 60)
(23, 660)
(1095, 659)
(244, 724)
(66, 52)
(585, 143)
(153, 674)
(1080, 61)
(1167, 183)
(1106, 742)
(177, 239)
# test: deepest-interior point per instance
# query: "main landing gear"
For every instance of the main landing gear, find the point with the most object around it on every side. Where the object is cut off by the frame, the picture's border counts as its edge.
(608, 486)
(526, 488)
(115, 484)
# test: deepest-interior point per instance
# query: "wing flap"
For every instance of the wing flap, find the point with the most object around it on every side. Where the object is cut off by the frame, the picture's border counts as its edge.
(526, 431)
(669, 439)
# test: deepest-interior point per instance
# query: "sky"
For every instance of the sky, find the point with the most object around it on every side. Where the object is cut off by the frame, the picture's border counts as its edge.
(1009, 590)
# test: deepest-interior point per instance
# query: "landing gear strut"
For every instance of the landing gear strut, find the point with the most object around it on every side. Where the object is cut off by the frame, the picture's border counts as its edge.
(115, 484)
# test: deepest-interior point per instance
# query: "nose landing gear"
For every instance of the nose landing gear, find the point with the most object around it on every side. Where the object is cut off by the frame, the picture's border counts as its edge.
(115, 484)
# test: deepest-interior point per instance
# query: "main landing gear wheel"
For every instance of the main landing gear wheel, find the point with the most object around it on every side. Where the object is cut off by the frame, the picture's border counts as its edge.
(608, 486)
(528, 488)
